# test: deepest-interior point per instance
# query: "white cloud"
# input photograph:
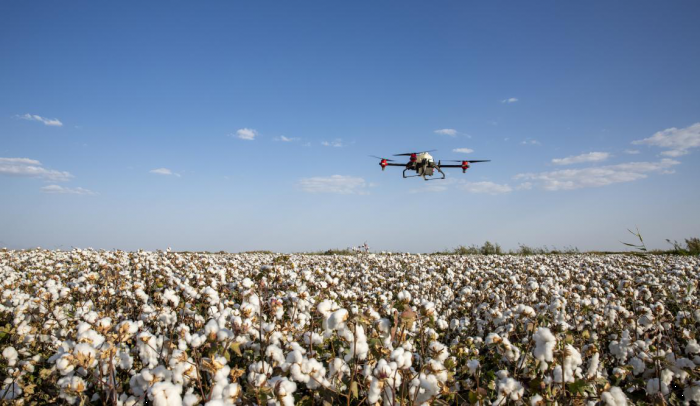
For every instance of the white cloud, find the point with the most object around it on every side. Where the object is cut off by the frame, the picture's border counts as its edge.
(337, 143)
(338, 184)
(509, 100)
(447, 131)
(164, 171)
(676, 141)
(577, 159)
(632, 151)
(54, 122)
(463, 150)
(530, 142)
(485, 187)
(26, 167)
(246, 134)
(285, 139)
(56, 189)
(471, 187)
(569, 179)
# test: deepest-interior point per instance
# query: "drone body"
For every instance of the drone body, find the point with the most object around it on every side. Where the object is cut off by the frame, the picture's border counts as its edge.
(424, 165)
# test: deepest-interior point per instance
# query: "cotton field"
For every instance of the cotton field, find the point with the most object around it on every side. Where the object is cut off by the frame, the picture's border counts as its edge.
(162, 328)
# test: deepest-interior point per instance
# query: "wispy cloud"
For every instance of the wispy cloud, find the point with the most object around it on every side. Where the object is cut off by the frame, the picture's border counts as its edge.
(247, 134)
(164, 171)
(463, 150)
(286, 139)
(509, 100)
(337, 143)
(447, 131)
(53, 122)
(56, 189)
(490, 188)
(631, 151)
(569, 179)
(530, 142)
(26, 167)
(486, 188)
(577, 159)
(338, 184)
(677, 142)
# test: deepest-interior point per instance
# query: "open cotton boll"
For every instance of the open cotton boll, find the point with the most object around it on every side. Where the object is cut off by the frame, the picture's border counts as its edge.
(10, 355)
(165, 394)
(473, 365)
(71, 388)
(337, 319)
(283, 390)
(10, 390)
(544, 344)
(614, 397)
(692, 347)
(403, 358)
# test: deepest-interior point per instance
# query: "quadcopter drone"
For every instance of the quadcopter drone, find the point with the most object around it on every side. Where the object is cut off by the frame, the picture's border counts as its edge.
(424, 165)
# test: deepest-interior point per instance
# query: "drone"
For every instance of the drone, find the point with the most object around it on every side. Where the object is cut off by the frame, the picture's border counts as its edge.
(424, 165)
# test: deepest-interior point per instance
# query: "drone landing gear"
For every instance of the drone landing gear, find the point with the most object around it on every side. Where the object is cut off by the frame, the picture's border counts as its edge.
(439, 170)
(411, 176)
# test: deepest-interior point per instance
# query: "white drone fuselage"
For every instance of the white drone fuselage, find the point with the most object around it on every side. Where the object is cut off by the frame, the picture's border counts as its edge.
(420, 167)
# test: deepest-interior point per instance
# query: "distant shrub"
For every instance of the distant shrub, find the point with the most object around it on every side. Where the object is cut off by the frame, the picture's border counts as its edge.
(692, 247)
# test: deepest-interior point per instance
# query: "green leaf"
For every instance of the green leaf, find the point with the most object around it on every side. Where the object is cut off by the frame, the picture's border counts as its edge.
(236, 347)
(354, 390)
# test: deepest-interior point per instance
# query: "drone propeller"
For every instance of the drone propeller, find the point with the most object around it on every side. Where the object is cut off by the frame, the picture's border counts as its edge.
(471, 161)
(388, 160)
(411, 153)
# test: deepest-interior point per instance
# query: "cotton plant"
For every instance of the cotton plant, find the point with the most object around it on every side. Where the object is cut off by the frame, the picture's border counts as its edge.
(168, 328)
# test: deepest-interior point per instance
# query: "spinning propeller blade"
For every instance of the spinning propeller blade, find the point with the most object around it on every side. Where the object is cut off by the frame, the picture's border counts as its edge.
(388, 160)
(411, 153)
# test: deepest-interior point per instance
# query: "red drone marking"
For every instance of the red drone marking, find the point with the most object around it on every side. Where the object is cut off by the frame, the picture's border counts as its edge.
(383, 163)
(413, 157)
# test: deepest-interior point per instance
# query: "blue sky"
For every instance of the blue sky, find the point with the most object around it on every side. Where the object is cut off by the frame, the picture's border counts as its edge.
(227, 125)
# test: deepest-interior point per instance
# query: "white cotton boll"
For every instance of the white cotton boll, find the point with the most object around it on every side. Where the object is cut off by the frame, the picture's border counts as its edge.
(190, 399)
(692, 347)
(403, 358)
(86, 355)
(536, 400)
(692, 392)
(338, 368)
(231, 392)
(10, 355)
(638, 366)
(653, 387)
(165, 394)
(384, 326)
(430, 386)
(197, 340)
(10, 390)
(374, 391)
(438, 351)
(276, 354)
(283, 390)
(147, 348)
(473, 365)
(326, 307)
(593, 366)
(211, 328)
(544, 344)
(71, 388)
(337, 319)
(614, 397)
